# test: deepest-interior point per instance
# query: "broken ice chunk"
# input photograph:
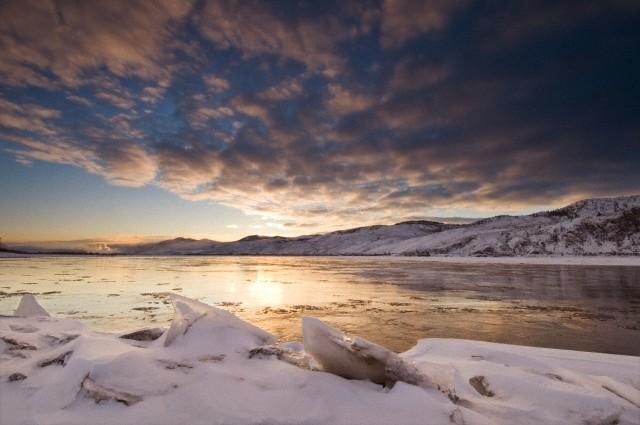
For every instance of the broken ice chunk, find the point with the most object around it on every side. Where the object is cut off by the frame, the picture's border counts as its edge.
(149, 334)
(17, 377)
(210, 320)
(357, 358)
(99, 393)
(284, 353)
(60, 360)
(481, 385)
(29, 307)
(17, 345)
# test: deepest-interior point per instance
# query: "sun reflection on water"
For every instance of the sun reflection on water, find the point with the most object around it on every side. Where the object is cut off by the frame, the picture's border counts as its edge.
(266, 291)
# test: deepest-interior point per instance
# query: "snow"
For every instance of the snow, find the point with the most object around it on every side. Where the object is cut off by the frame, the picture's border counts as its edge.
(210, 367)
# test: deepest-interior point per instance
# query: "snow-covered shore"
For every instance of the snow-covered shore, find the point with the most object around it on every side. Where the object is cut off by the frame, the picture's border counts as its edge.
(210, 367)
(596, 260)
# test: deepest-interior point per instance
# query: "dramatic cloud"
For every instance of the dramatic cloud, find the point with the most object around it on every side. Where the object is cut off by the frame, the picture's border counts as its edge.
(318, 115)
(257, 27)
(47, 43)
(126, 164)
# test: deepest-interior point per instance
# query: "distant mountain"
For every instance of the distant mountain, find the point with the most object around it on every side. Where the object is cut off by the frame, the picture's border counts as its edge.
(358, 241)
(608, 226)
(177, 246)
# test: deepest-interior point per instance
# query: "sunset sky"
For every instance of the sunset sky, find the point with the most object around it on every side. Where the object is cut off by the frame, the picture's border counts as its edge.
(133, 120)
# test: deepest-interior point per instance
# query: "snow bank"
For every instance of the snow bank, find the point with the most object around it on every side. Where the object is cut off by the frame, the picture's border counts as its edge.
(210, 367)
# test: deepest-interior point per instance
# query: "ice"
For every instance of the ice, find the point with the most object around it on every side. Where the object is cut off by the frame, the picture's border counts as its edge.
(29, 307)
(357, 358)
(218, 369)
(144, 335)
(343, 356)
(200, 327)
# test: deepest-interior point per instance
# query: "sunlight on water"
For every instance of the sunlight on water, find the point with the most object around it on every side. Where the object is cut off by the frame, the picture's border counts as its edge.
(265, 291)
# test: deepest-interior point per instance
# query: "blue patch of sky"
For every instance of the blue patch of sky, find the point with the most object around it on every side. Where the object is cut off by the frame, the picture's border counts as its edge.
(53, 201)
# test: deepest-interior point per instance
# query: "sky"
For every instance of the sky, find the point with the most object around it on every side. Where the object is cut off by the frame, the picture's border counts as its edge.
(138, 120)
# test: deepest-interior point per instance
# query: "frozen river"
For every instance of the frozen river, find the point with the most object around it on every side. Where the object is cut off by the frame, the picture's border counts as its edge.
(392, 301)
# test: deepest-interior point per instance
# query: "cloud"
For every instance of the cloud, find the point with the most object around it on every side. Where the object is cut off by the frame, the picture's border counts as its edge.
(410, 76)
(215, 83)
(152, 94)
(80, 100)
(200, 117)
(188, 169)
(285, 90)
(521, 22)
(27, 117)
(258, 28)
(54, 150)
(66, 39)
(121, 164)
(325, 116)
(119, 101)
(126, 164)
(403, 20)
(342, 101)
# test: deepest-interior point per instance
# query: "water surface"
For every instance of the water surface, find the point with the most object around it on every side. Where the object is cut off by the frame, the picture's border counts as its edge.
(392, 301)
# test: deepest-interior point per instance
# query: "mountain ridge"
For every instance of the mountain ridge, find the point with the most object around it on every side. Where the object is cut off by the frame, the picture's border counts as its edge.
(597, 226)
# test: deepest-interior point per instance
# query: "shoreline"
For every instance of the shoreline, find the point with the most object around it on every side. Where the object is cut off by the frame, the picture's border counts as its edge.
(586, 260)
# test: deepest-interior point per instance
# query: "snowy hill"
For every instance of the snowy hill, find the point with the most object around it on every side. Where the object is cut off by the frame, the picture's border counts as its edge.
(608, 226)
(590, 227)
(177, 246)
(358, 241)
